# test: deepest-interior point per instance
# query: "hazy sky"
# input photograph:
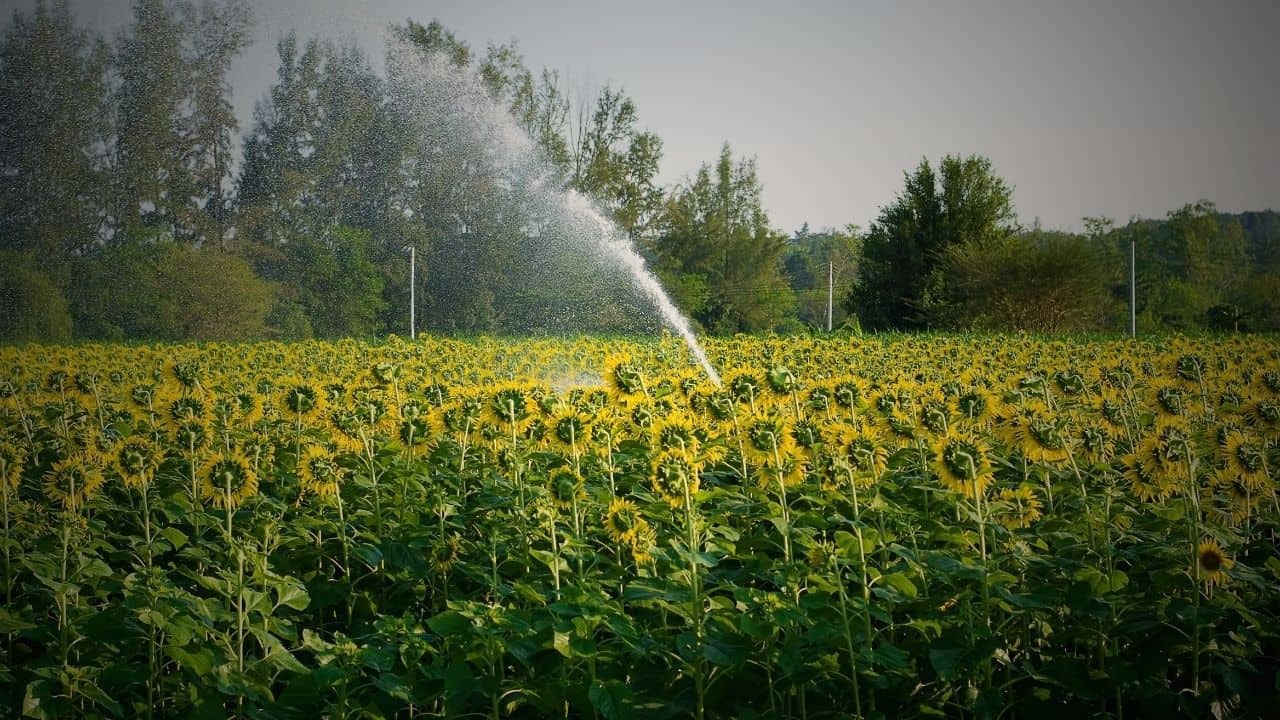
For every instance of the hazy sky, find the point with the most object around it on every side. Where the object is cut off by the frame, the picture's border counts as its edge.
(1105, 107)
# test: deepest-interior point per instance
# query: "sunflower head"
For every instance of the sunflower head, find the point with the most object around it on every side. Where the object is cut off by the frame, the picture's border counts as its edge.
(227, 479)
(623, 520)
(136, 460)
(71, 482)
(675, 477)
(12, 461)
(1212, 563)
(566, 488)
(781, 380)
(962, 462)
(1020, 507)
(319, 471)
(302, 399)
(623, 376)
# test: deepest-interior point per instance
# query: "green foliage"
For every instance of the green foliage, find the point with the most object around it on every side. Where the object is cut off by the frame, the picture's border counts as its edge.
(1038, 281)
(52, 91)
(814, 258)
(715, 229)
(31, 306)
(169, 291)
(901, 284)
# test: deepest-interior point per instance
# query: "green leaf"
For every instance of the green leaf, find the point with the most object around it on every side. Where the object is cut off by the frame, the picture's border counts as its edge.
(291, 593)
(37, 700)
(945, 661)
(174, 536)
(200, 663)
(609, 699)
(370, 554)
(560, 641)
(901, 583)
(10, 623)
(449, 623)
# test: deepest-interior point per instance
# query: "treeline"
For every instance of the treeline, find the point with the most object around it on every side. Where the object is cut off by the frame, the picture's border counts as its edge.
(947, 253)
(124, 214)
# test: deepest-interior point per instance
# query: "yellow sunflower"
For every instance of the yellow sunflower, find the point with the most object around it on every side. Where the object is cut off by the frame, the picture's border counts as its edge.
(301, 399)
(319, 471)
(962, 462)
(73, 481)
(136, 460)
(1021, 507)
(1212, 563)
(227, 479)
(11, 465)
(622, 520)
(674, 477)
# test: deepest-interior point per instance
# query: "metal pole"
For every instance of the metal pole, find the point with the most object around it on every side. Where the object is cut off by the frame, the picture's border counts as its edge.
(413, 281)
(830, 292)
(1133, 288)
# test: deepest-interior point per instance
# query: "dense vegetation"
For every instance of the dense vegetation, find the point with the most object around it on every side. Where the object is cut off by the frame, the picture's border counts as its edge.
(120, 193)
(898, 527)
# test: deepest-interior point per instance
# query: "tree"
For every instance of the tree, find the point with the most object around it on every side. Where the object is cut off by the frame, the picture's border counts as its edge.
(1038, 281)
(31, 306)
(616, 164)
(52, 92)
(149, 149)
(717, 253)
(809, 256)
(215, 34)
(900, 283)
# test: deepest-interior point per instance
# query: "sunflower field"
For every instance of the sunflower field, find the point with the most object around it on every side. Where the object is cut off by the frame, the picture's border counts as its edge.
(898, 526)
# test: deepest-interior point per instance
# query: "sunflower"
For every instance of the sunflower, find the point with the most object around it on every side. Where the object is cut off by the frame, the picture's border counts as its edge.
(622, 521)
(962, 463)
(227, 479)
(570, 428)
(674, 477)
(302, 399)
(623, 377)
(867, 452)
(1244, 459)
(187, 407)
(11, 465)
(642, 544)
(71, 482)
(415, 425)
(319, 471)
(1038, 433)
(509, 404)
(136, 460)
(1212, 563)
(976, 406)
(566, 489)
(191, 435)
(849, 392)
(676, 432)
(769, 438)
(1150, 476)
(1022, 507)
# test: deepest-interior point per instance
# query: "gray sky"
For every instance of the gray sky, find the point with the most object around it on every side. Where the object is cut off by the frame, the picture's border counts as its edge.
(1086, 107)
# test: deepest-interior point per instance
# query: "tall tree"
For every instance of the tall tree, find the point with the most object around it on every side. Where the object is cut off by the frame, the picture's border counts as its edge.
(901, 284)
(616, 164)
(149, 145)
(718, 254)
(52, 94)
(216, 32)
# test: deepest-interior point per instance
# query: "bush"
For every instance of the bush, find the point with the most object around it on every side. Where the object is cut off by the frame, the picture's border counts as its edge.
(31, 306)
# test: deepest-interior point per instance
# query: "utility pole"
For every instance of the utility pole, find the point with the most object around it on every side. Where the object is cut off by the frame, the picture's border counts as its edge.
(413, 282)
(1133, 287)
(830, 291)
